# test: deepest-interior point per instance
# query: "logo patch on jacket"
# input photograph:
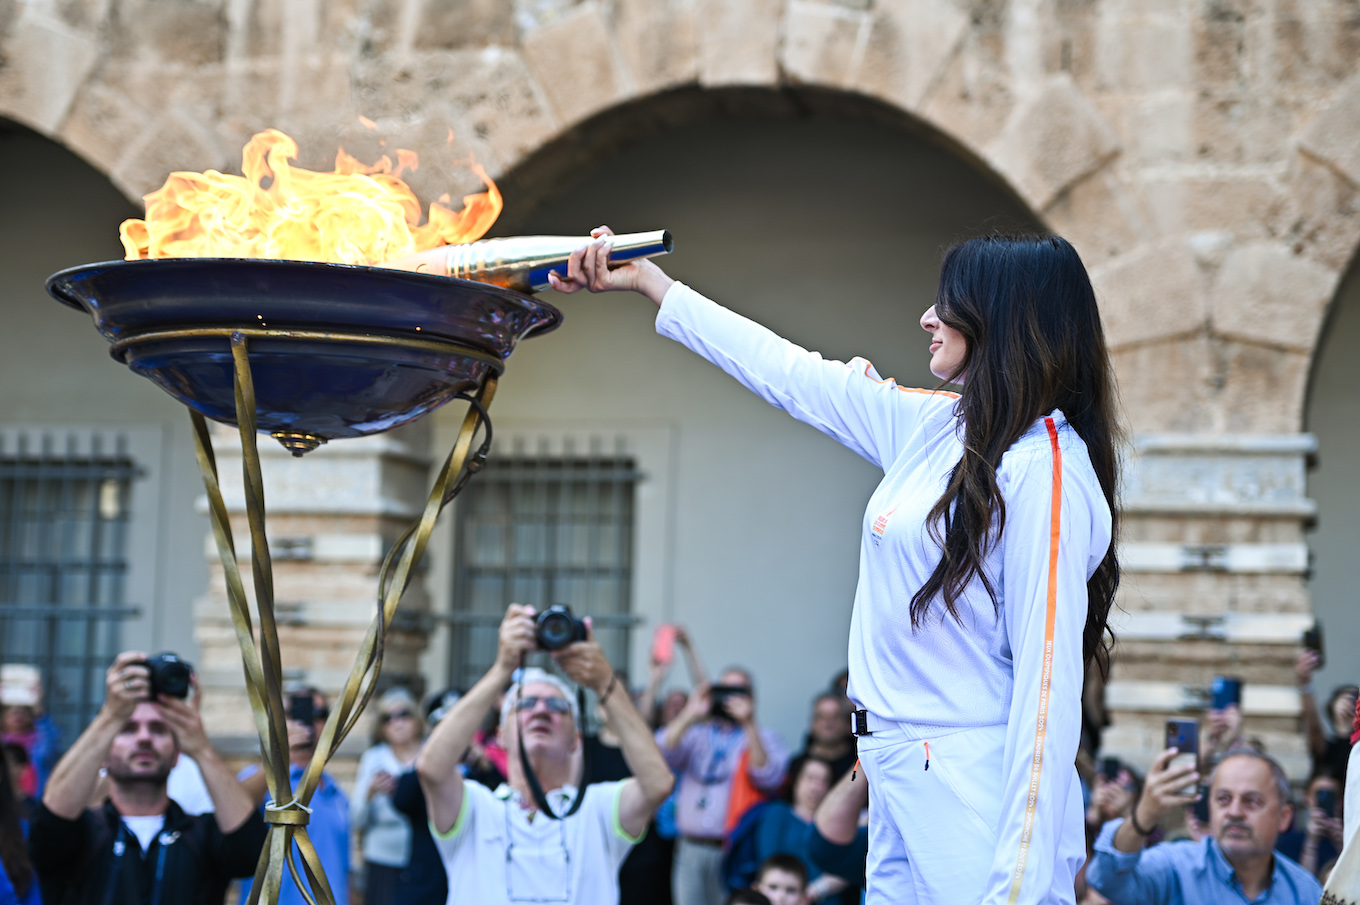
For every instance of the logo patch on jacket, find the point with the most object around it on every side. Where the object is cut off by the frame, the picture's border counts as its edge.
(880, 525)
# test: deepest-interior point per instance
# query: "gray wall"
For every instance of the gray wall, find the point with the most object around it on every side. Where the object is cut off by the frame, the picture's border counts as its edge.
(1333, 414)
(827, 230)
(56, 370)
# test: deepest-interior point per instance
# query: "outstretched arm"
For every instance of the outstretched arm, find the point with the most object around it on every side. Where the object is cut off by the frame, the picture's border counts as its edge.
(232, 803)
(71, 786)
(437, 764)
(652, 780)
(846, 401)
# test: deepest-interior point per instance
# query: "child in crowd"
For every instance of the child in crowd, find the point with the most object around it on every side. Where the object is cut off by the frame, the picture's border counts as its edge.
(783, 880)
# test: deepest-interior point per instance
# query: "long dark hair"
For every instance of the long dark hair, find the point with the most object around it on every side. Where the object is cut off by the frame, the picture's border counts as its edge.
(13, 852)
(1026, 308)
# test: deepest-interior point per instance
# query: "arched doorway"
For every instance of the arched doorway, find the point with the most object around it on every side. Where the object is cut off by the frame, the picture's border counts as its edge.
(100, 547)
(821, 217)
(1333, 416)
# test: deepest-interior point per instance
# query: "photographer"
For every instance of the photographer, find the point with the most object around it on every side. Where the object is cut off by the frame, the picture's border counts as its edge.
(1248, 809)
(717, 748)
(574, 859)
(140, 846)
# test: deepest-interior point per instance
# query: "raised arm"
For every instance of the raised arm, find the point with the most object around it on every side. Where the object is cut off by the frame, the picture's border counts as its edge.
(697, 675)
(437, 764)
(71, 786)
(1304, 668)
(585, 663)
(1056, 524)
(232, 804)
(846, 401)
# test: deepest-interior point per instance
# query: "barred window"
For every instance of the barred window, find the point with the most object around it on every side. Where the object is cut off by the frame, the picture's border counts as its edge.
(542, 531)
(63, 563)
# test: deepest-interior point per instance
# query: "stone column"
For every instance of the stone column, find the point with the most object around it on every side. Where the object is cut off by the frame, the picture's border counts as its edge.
(332, 515)
(1214, 583)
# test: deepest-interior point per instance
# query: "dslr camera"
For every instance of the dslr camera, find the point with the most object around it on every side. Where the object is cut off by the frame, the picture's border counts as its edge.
(556, 627)
(719, 695)
(169, 675)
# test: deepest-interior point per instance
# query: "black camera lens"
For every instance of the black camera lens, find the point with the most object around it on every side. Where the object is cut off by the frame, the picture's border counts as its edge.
(556, 627)
(169, 675)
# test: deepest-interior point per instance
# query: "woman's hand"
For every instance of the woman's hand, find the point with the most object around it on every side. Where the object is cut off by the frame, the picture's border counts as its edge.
(384, 783)
(588, 268)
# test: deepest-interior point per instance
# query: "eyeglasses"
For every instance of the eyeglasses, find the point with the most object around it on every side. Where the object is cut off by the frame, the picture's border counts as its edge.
(397, 715)
(555, 704)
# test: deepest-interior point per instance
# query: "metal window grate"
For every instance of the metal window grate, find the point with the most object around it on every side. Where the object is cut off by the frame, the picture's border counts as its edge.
(63, 563)
(543, 530)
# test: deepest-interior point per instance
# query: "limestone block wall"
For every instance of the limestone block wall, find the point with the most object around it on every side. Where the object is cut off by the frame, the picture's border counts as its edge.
(1204, 156)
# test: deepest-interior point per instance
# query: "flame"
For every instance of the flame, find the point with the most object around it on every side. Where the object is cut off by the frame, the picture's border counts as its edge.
(357, 214)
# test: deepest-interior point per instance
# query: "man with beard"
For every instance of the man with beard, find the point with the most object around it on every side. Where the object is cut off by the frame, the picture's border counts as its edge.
(140, 846)
(1248, 809)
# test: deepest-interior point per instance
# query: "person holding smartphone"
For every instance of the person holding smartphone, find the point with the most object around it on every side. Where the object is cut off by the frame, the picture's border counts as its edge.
(1249, 807)
(987, 566)
(328, 825)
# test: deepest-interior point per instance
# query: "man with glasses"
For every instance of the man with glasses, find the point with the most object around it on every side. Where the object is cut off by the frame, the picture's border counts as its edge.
(499, 846)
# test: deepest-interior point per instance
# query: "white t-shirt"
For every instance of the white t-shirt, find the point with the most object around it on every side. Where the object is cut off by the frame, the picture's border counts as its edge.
(186, 786)
(145, 829)
(1018, 664)
(499, 852)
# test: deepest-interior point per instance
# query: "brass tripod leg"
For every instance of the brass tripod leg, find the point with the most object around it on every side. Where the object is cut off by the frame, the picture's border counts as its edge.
(287, 811)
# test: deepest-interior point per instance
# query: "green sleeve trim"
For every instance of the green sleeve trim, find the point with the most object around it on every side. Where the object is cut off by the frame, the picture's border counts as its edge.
(457, 824)
(618, 825)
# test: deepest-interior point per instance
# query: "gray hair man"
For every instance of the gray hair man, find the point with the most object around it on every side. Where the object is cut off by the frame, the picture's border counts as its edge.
(574, 859)
(1248, 809)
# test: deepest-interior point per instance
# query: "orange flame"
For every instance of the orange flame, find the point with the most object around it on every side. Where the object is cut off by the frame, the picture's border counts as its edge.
(356, 214)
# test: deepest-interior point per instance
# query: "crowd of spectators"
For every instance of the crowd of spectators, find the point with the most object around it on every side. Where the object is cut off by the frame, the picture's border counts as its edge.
(679, 797)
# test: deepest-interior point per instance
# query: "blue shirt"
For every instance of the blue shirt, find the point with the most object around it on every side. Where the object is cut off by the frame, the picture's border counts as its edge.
(1188, 872)
(9, 897)
(328, 828)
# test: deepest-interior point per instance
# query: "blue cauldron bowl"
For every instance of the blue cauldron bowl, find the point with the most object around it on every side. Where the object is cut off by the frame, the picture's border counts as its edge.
(336, 350)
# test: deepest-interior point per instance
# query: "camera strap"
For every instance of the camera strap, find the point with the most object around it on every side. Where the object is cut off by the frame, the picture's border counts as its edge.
(535, 787)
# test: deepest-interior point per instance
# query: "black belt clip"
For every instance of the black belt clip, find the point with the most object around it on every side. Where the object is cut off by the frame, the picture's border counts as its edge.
(861, 722)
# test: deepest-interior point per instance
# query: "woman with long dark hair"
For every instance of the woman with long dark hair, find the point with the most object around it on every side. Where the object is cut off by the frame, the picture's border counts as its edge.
(18, 883)
(987, 564)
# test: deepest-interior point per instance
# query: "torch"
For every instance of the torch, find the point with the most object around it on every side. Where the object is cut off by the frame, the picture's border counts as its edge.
(311, 351)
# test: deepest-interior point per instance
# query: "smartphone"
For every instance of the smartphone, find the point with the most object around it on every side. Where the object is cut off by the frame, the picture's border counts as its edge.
(301, 708)
(1326, 801)
(1183, 735)
(1312, 640)
(1110, 767)
(663, 644)
(1224, 692)
(1201, 807)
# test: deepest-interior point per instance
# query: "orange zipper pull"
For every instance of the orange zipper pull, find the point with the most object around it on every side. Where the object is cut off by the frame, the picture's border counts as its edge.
(927, 755)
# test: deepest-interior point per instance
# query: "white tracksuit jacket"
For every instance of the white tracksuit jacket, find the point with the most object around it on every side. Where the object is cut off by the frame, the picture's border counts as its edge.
(1022, 668)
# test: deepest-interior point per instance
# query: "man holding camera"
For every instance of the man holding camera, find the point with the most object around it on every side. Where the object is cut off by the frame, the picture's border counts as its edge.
(1248, 809)
(724, 760)
(562, 856)
(140, 846)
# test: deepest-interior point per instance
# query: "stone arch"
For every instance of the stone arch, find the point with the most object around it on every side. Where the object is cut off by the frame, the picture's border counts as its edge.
(140, 90)
(1072, 104)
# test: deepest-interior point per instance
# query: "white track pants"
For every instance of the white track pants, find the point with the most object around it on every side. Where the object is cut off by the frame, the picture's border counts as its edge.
(932, 833)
